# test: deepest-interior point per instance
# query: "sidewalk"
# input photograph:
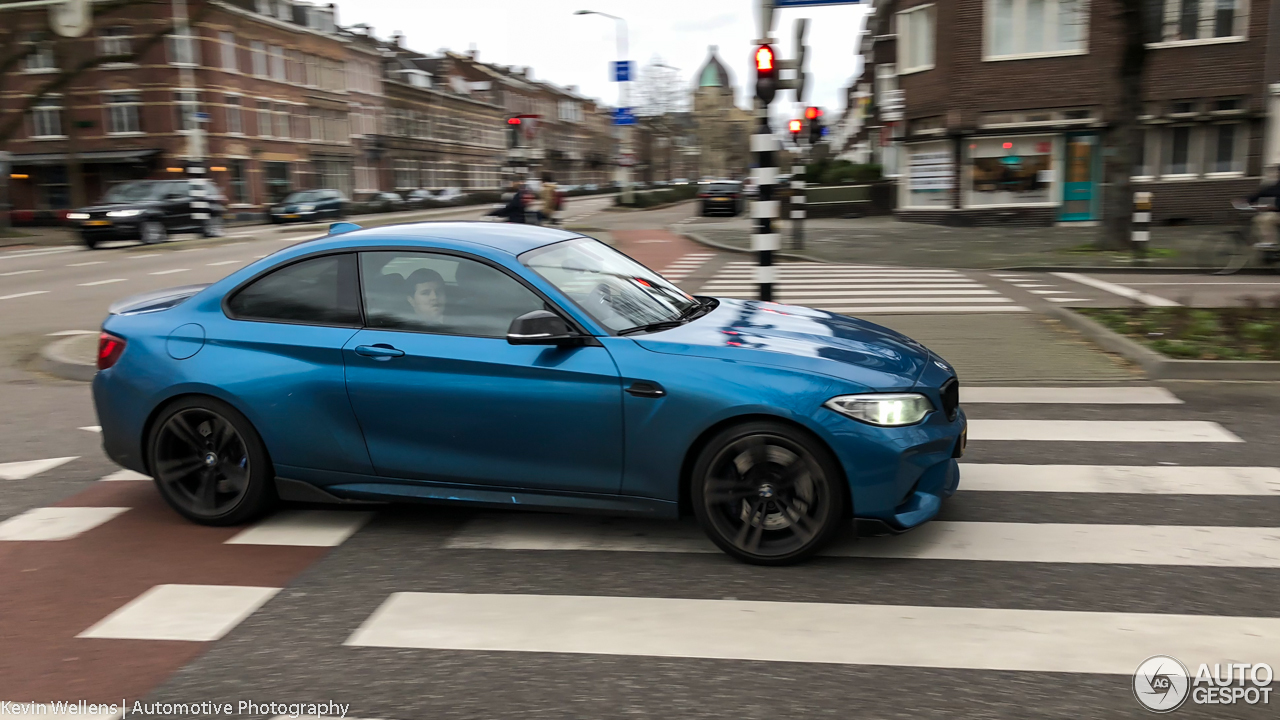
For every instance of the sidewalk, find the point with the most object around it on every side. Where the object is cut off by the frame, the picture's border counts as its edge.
(886, 241)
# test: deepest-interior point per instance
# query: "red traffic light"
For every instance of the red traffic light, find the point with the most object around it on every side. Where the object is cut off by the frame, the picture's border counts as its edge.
(812, 113)
(764, 59)
(794, 127)
(513, 121)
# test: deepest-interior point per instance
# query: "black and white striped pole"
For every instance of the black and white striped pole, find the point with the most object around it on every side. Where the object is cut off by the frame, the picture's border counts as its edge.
(764, 210)
(1141, 232)
(797, 207)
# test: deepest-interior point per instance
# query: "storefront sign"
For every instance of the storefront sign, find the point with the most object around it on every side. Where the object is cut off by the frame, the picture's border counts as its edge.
(931, 171)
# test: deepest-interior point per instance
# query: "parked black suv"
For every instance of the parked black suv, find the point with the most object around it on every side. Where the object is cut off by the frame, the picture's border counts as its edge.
(309, 205)
(150, 210)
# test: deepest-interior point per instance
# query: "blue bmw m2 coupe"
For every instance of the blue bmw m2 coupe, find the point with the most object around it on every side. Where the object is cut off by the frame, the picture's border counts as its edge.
(511, 365)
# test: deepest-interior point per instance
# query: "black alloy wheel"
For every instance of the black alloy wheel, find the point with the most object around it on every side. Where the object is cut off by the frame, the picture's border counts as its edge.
(768, 494)
(153, 232)
(209, 463)
(213, 227)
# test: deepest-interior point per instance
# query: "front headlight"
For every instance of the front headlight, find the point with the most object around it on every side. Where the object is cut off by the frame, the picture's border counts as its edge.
(883, 409)
(306, 208)
(77, 216)
(124, 213)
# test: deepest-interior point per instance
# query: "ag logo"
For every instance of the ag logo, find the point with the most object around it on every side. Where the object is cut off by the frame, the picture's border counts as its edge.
(1161, 683)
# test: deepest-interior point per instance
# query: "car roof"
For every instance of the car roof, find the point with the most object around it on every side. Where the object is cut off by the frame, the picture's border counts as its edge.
(513, 238)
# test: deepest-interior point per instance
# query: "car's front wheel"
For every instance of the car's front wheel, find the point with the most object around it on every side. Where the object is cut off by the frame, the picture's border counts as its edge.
(209, 463)
(153, 232)
(767, 493)
(213, 227)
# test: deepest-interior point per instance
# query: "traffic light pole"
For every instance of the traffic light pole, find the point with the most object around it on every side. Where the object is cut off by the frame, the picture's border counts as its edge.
(797, 207)
(764, 209)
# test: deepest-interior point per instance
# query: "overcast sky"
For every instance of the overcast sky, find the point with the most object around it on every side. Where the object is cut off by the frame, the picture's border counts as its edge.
(575, 50)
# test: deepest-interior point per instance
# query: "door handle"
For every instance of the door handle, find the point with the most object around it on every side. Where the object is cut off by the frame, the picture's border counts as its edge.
(380, 351)
(646, 389)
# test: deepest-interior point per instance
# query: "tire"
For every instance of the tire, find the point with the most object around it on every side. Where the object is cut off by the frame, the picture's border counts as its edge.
(89, 242)
(153, 232)
(209, 463)
(1227, 253)
(213, 227)
(767, 493)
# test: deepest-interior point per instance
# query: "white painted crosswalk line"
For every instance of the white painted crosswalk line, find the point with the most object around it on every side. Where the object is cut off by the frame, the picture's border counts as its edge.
(1135, 479)
(1188, 431)
(910, 309)
(517, 531)
(1124, 395)
(195, 613)
(303, 528)
(908, 636)
(55, 523)
(124, 475)
(28, 468)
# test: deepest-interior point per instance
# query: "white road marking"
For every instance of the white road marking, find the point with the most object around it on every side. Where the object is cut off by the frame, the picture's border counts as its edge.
(182, 612)
(740, 287)
(20, 272)
(840, 633)
(92, 428)
(907, 309)
(37, 251)
(1122, 291)
(91, 262)
(55, 523)
(29, 468)
(1049, 292)
(103, 282)
(802, 299)
(23, 294)
(1197, 431)
(170, 272)
(61, 333)
(224, 262)
(123, 475)
(1068, 299)
(143, 255)
(304, 528)
(1133, 479)
(1069, 395)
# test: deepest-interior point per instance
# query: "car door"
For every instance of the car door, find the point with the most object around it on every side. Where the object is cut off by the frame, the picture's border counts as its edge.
(443, 397)
(177, 205)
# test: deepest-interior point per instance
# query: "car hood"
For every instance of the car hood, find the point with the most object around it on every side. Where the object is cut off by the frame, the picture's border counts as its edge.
(155, 300)
(799, 338)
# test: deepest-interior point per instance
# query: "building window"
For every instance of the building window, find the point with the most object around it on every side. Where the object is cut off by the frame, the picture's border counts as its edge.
(235, 125)
(182, 49)
(264, 119)
(1177, 21)
(1017, 28)
(282, 121)
(1015, 170)
(313, 71)
(46, 117)
(284, 11)
(41, 57)
(186, 103)
(115, 40)
(258, 54)
(264, 7)
(1225, 141)
(1178, 161)
(239, 181)
(277, 64)
(122, 112)
(915, 39)
(228, 41)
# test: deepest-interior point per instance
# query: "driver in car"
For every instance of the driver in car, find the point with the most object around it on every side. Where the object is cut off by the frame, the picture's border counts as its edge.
(426, 295)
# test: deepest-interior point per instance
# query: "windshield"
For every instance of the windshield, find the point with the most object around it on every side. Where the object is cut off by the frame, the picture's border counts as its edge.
(724, 188)
(615, 290)
(133, 192)
(305, 196)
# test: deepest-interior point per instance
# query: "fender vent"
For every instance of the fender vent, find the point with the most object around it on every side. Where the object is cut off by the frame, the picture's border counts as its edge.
(951, 398)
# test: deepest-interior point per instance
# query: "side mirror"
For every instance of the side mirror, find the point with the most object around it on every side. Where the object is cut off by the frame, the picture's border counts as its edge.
(541, 327)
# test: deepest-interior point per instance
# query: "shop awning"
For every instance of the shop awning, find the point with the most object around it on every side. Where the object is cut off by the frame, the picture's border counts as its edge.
(86, 158)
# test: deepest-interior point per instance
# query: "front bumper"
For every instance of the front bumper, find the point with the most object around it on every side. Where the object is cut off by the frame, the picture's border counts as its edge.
(281, 217)
(126, 229)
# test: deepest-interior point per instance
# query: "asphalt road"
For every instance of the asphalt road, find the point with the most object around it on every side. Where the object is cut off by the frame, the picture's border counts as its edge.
(1076, 547)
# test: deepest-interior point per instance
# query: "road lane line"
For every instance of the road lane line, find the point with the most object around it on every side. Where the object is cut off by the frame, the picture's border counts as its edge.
(170, 272)
(1122, 291)
(910, 309)
(91, 262)
(49, 524)
(61, 333)
(1193, 431)
(1069, 395)
(303, 528)
(143, 255)
(23, 294)
(197, 613)
(1132, 479)
(19, 272)
(839, 633)
(103, 282)
(224, 262)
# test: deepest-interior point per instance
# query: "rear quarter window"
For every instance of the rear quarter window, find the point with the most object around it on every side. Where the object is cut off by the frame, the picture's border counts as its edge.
(318, 291)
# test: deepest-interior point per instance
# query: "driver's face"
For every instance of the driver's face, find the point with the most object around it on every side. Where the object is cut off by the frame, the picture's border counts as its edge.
(427, 300)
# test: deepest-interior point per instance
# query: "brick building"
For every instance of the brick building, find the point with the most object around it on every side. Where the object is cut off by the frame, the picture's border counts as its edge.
(289, 99)
(999, 110)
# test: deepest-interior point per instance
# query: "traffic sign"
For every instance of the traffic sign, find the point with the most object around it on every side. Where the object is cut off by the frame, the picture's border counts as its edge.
(200, 116)
(624, 116)
(622, 71)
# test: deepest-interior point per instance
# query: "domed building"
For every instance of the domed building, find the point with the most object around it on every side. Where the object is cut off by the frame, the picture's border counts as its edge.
(722, 128)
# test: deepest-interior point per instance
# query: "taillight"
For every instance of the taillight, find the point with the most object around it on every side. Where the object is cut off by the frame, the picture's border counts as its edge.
(704, 194)
(110, 348)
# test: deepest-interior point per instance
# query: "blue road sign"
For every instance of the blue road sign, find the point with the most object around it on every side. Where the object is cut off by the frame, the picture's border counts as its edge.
(622, 71)
(624, 116)
(812, 3)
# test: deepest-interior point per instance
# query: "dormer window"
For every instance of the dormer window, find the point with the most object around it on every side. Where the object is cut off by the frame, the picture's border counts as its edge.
(284, 10)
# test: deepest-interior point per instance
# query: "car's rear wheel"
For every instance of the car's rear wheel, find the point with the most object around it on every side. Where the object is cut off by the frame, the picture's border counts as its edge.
(153, 232)
(767, 493)
(209, 463)
(213, 227)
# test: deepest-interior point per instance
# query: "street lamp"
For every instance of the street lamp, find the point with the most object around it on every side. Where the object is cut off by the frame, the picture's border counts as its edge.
(623, 97)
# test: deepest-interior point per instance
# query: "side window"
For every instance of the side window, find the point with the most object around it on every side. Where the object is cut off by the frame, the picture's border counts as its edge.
(320, 291)
(444, 294)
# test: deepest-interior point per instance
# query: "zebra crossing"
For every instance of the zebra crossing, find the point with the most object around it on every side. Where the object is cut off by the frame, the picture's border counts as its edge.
(865, 289)
(682, 268)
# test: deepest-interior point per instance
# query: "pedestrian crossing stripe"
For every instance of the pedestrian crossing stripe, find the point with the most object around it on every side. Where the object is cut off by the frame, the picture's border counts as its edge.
(847, 634)
(1121, 395)
(1132, 479)
(1187, 431)
(924, 309)
(30, 468)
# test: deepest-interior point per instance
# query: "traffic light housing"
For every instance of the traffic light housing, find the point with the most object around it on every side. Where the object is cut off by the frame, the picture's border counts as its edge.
(513, 137)
(813, 115)
(794, 127)
(766, 63)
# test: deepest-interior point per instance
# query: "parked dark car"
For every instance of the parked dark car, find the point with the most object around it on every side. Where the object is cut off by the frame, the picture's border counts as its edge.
(419, 198)
(309, 205)
(151, 210)
(721, 196)
(380, 201)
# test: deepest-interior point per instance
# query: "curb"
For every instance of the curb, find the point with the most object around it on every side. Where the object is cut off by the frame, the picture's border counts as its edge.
(58, 359)
(1159, 367)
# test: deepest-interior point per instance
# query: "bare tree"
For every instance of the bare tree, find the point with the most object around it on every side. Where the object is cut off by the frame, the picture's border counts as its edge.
(658, 89)
(1125, 136)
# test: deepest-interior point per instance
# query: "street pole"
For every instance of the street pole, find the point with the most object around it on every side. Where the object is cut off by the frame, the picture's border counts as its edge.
(764, 209)
(5, 168)
(797, 206)
(624, 97)
(195, 169)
